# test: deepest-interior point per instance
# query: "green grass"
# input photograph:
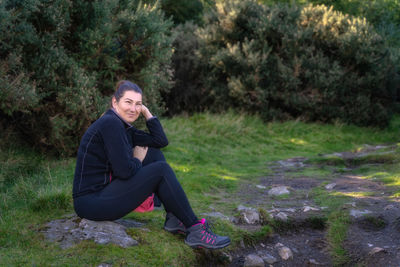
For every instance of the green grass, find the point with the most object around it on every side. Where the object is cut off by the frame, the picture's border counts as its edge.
(211, 155)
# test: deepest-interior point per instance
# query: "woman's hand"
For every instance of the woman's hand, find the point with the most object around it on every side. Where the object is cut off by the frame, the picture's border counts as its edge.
(140, 152)
(146, 113)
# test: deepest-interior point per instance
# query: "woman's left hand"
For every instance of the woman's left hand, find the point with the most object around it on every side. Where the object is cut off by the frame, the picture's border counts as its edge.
(146, 112)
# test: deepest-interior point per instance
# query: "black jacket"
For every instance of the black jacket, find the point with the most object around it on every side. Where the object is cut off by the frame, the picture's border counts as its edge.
(105, 151)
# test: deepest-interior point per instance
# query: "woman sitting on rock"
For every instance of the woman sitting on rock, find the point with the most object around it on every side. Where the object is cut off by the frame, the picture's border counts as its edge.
(119, 166)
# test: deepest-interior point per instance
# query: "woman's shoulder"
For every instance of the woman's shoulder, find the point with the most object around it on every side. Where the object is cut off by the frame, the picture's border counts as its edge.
(109, 121)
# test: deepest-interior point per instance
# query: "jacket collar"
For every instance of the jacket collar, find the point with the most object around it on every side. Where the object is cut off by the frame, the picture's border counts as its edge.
(127, 124)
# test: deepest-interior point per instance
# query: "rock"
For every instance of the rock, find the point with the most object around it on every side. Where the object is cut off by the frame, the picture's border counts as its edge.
(70, 231)
(248, 215)
(359, 213)
(281, 216)
(106, 232)
(261, 186)
(130, 223)
(267, 258)
(104, 265)
(308, 208)
(285, 253)
(293, 162)
(389, 207)
(313, 262)
(279, 190)
(330, 186)
(253, 260)
(217, 214)
(376, 250)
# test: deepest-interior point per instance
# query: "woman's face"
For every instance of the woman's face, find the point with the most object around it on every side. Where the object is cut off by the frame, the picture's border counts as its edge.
(129, 106)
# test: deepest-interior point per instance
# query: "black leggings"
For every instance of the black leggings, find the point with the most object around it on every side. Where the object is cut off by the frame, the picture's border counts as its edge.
(120, 197)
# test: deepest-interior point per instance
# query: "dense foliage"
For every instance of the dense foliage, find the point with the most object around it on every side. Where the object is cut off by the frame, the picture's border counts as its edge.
(286, 61)
(59, 61)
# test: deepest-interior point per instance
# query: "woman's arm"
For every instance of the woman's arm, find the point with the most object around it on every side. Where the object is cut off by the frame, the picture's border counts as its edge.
(156, 136)
(118, 150)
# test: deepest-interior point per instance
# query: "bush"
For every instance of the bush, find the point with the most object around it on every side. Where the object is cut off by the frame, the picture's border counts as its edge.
(288, 61)
(59, 61)
(186, 95)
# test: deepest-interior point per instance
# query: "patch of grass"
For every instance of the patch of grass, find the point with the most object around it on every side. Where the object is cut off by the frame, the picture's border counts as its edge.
(60, 200)
(338, 222)
(318, 172)
(211, 155)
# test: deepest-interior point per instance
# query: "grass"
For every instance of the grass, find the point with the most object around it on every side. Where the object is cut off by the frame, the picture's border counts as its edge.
(211, 155)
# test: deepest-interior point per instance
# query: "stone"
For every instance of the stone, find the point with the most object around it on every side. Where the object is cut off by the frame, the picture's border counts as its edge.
(308, 208)
(278, 191)
(281, 216)
(376, 250)
(248, 215)
(253, 260)
(389, 207)
(70, 231)
(293, 162)
(261, 186)
(216, 214)
(267, 258)
(359, 213)
(130, 223)
(285, 253)
(314, 262)
(330, 186)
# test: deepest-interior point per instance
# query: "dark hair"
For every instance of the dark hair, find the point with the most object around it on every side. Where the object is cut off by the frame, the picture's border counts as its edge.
(123, 86)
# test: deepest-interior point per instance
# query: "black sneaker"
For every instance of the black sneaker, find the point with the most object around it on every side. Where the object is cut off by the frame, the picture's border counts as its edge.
(201, 236)
(173, 224)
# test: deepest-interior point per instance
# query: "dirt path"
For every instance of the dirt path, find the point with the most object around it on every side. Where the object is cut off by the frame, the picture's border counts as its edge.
(373, 237)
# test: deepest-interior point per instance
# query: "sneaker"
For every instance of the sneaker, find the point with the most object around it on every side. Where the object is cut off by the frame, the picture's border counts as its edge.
(201, 236)
(173, 224)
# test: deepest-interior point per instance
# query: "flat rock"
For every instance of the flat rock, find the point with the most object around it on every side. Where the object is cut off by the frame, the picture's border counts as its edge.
(281, 216)
(248, 215)
(267, 258)
(253, 260)
(285, 253)
(278, 190)
(359, 213)
(309, 208)
(70, 231)
(330, 186)
(376, 250)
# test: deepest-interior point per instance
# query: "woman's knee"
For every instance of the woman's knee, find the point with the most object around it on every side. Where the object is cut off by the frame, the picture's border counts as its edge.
(153, 155)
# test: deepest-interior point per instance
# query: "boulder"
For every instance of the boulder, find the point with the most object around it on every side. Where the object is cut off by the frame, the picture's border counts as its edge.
(248, 215)
(278, 190)
(70, 231)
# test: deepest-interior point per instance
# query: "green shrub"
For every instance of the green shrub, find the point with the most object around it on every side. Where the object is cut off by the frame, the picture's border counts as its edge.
(59, 61)
(289, 61)
(186, 94)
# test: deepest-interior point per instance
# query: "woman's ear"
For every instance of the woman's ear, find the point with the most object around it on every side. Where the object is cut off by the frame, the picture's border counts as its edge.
(114, 102)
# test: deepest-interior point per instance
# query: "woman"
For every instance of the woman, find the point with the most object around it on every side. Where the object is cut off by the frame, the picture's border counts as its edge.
(119, 166)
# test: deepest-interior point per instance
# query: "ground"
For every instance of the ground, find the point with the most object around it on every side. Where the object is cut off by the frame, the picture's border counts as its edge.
(373, 235)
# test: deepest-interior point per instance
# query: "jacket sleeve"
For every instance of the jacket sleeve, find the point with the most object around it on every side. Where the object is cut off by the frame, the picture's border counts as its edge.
(118, 150)
(155, 138)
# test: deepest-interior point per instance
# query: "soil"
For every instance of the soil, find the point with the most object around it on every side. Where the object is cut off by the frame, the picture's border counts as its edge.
(373, 237)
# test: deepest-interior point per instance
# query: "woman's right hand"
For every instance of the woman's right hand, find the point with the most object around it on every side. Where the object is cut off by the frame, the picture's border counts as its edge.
(140, 152)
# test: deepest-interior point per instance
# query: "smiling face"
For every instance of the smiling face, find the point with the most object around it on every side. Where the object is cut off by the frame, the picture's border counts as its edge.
(129, 106)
